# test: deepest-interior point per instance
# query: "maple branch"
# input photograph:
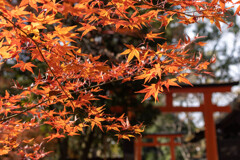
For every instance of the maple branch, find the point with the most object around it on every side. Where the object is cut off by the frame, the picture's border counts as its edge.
(20, 113)
(40, 51)
(185, 13)
(190, 15)
(105, 83)
(86, 88)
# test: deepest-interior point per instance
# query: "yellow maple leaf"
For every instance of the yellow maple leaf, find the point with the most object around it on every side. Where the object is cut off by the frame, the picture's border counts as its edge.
(132, 51)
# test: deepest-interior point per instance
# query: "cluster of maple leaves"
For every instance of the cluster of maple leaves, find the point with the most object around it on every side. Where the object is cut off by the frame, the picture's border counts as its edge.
(73, 79)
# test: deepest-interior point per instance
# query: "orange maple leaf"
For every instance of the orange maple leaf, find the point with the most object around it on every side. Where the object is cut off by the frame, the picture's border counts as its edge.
(237, 10)
(52, 136)
(184, 80)
(132, 51)
(24, 66)
(152, 90)
(86, 28)
(170, 82)
(151, 36)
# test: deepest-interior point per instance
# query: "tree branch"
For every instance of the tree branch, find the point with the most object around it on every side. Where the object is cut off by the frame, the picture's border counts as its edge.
(20, 113)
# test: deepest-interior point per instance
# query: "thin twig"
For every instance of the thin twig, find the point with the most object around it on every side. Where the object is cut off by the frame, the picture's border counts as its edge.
(20, 113)
(105, 83)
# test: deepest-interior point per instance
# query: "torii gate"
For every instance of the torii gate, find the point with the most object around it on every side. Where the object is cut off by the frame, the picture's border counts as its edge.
(207, 108)
(172, 144)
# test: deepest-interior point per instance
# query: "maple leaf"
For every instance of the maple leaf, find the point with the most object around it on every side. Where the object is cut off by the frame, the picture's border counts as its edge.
(152, 90)
(151, 36)
(4, 50)
(165, 20)
(32, 3)
(132, 51)
(24, 66)
(81, 126)
(28, 140)
(201, 43)
(237, 10)
(73, 134)
(126, 79)
(126, 124)
(19, 11)
(184, 80)
(86, 28)
(138, 130)
(124, 136)
(104, 97)
(96, 121)
(202, 66)
(222, 4)
(150, 74)
(114, 127)
(171, 82)
(7, 95)
(53, 136)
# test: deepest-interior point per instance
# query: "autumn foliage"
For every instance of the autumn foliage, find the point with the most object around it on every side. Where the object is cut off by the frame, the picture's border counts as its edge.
(72, 82)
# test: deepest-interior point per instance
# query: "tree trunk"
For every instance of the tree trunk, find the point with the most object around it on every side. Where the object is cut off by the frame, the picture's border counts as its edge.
(88, 146)
(63, 146)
